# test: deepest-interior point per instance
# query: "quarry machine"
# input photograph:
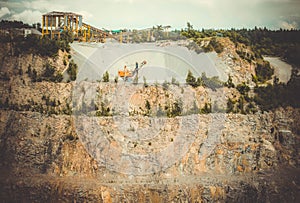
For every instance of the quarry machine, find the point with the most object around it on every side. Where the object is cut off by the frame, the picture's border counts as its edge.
(126, 74)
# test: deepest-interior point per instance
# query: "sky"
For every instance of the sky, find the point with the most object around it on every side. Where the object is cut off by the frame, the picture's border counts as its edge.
(138, 14)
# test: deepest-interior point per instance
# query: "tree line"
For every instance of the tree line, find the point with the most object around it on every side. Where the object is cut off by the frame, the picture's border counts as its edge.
(262, 41)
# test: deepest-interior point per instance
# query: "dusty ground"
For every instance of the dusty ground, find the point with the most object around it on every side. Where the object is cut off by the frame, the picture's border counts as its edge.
(164, 61)
(282, 70)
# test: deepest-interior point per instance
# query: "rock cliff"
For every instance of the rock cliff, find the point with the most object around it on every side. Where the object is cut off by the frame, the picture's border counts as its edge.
(118, 142)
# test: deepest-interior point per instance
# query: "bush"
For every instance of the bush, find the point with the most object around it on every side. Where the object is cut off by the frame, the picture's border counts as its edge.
(148, 108)
(241, 105)
(229, 82)
(264, 71)
(165, 85)
(175, 109)
(49, 70)
(206, 109)
(116, 79)
(145, 81)
(72, 70)
(208, 48)
(104, 110)
(212, 83)
(273, 96)
(174, 81)
(192, 81)
(218, 47)
(50, 74)
(105, 77)
(230, 106)
(243, 88)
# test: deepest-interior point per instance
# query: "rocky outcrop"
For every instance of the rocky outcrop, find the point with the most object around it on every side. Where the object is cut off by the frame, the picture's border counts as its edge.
(118, 142)
(40, 150)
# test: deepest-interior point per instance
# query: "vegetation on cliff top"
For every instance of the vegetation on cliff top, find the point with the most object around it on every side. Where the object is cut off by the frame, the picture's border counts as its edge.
(281, 43)
(32, 44)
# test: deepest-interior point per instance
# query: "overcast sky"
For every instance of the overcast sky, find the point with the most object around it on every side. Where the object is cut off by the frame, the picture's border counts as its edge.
(115, 14)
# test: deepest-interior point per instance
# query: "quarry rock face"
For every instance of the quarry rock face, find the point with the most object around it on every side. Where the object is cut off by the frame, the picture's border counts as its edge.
(118, 142)
(229, 157)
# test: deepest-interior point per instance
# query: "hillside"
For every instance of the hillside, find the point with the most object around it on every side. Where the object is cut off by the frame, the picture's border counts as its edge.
(82, 140)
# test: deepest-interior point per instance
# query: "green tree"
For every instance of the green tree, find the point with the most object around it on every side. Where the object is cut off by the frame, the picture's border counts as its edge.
(229, 82)
(116, 79)
(148, 108)
(145, 81)
(72, 70)
(190, 79)
(241, 104)
(230, 106)
(105, 77)
(174, 81)
(49, 71)
(243, 88)
(175, 109)
(264, 71)
(206, 109)
(218, 47)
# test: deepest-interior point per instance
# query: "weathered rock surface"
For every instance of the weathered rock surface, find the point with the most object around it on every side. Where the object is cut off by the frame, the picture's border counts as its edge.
(48, 153)
(42, 155)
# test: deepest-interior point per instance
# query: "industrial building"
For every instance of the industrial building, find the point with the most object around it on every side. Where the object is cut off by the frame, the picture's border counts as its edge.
(55, 23)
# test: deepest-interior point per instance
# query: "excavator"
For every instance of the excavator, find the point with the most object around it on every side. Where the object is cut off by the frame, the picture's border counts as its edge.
(125, 74)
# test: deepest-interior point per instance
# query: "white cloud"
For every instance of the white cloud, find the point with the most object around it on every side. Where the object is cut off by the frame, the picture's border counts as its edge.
(144, 13)
(28, 16)
(86, 15)
(46, 6)
(4, 11)
(288, 26)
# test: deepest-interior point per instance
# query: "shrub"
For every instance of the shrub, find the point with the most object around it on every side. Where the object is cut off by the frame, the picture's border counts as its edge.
(105, 77)
(243, 88)
(116, 79)
(174, 81)
(206, 109)
(208, 48)
(264, 71)
(191, 80)
(212, 82)
(229, 82)
(72, 70)
(148, 108)
(175, 109)
(165, 85)
(218, 47)
(230, 106)
(145, 81)
(49, 74)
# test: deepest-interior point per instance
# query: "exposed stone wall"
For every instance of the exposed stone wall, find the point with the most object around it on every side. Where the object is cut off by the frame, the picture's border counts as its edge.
(230, 157)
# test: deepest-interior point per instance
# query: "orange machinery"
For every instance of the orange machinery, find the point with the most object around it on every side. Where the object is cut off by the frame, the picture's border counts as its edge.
(129, 73)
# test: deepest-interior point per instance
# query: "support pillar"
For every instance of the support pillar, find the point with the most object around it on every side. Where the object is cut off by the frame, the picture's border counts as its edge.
(76, 26)
(51, 24)
(65, 22)
(121, 37)
(43, 21)
(46, 20)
